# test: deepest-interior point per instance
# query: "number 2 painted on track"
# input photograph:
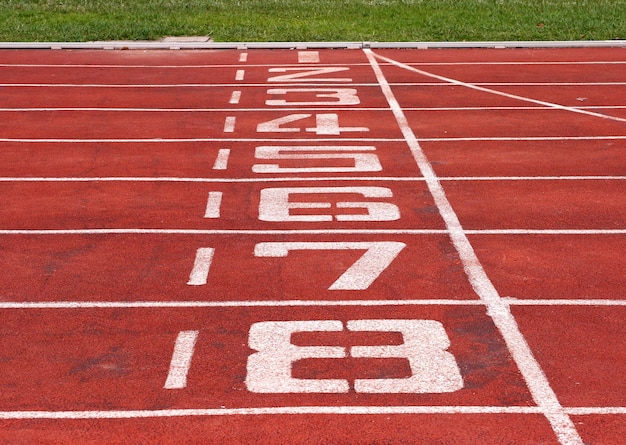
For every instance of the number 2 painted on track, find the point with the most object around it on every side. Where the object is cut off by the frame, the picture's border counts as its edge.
(360, 275)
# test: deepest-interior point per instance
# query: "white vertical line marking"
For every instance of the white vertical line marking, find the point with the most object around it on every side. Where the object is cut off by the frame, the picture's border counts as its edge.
(213, 205)
(181, 360)
(202, 264)
(308, 57)
(240, 74)
(497, 308)
(243, 57)
(221, 161)
(229, 124)
(235, 97)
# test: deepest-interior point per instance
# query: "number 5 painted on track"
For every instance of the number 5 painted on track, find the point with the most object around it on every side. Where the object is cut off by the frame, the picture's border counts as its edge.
(377, 257)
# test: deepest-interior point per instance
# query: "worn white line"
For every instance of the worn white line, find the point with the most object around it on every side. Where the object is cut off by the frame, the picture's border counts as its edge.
(281, 410)
(497, 309)
(308, 57)
(259, 179)
(221, 232)
(178, 110)
(500, 93)
(218, 304)
(295, 303)
(235, 97)
(136, 231)
(179, 140)
(240, 74)
(564, 302)
(229, 124)
(593, 410)
(181, 360)
(201, 266)
(221, 161)
(213, 205)
(243, 57)
(181, 85)
(524, 138)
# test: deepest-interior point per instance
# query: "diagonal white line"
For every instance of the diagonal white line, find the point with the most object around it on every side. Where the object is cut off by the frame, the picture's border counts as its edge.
(499, 93)
(497, 308)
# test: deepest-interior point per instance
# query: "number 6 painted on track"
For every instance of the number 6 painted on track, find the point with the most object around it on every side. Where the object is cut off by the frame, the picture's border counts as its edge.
(377, 257)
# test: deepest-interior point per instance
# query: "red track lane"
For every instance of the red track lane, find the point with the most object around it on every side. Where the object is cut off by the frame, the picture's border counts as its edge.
(554, 266)
(539, 204)
(189, 160)
(107, 359)
(174, 97)
(496, 429)
(158, 267)
(248, 235)
(338, 204)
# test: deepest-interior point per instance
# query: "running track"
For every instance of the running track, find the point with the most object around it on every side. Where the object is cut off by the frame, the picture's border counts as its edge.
(313, 246)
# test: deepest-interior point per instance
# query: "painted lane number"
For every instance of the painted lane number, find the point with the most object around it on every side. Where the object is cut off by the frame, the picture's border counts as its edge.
(433, 368)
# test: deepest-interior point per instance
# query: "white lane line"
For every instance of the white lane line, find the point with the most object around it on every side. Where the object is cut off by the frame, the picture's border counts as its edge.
(180, 85)
(221, 161)
(308, 57)
(201, 266)
(500, 93)
(581, 411)
(235, 97)
(525, 138)
(239, 75)
(179, 140)
(290, 410)
(292, 303)
(213, 205)
(497, 309)
(130, 231)
(181, 360)
(243, 57)
(218, 304)
(222, 232)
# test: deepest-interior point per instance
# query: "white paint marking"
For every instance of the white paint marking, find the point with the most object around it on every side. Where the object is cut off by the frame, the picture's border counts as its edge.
(243, 57)
(235, 97)
(229, 124)
(308, 57)
(221, 161)
(240, 74)
(213, 205)
(130, 231)
(497, 309)
(296, 303)
(181, 360)
(499, 93)
(277, 152)
(377, 257)
(292, 410)
(202, 264)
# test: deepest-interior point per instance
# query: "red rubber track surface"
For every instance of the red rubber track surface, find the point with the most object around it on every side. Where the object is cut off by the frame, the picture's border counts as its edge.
(185, 234)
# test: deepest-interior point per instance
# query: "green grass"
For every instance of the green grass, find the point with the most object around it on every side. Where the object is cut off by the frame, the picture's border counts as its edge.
(313, 20)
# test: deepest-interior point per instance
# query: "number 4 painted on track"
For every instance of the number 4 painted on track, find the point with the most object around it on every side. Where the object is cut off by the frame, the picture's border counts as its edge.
(377, 257)
(325, 124)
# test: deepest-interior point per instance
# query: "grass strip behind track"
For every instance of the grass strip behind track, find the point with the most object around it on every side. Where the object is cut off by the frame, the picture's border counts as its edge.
(313, 20)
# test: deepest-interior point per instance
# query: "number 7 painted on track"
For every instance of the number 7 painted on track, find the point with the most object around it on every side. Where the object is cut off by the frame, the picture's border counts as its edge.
(377, 257)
